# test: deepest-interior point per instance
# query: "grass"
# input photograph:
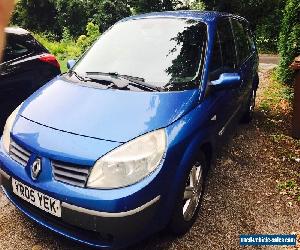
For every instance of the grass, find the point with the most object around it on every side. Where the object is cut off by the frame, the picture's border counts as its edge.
(63, 50)
(277, 97)
(276, 103)
(291, 188)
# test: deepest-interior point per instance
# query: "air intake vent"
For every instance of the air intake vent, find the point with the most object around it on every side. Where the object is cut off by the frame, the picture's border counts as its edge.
(70, 174)
(19, 154)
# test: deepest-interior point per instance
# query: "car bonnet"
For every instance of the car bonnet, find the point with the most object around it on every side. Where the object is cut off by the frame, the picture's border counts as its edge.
(112, 115)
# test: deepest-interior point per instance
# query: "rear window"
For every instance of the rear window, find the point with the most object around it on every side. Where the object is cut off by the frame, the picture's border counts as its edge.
(15, 48)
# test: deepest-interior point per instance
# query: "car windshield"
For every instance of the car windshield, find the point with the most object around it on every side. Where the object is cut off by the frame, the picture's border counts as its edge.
(164, 52)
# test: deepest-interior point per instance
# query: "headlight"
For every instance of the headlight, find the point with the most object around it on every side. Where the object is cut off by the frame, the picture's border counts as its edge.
(129, 163)
(8, 127)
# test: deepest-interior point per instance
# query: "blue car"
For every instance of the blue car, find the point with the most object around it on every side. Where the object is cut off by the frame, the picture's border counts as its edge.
(118, 147)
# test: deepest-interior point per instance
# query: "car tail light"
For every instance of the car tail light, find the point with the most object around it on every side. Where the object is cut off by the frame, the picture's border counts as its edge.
(48, 58)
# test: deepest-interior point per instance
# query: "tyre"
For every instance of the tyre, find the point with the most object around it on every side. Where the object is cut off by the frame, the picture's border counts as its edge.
(248, 115)
(190, 197)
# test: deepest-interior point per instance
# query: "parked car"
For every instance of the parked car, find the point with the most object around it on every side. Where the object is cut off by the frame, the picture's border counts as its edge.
(26, 66)
(119, 147)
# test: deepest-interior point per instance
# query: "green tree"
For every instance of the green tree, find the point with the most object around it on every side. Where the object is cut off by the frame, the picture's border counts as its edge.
(111, 11)
(72, 14)
(145, 6)
(38, 15)
(264, 16)
(289, 41)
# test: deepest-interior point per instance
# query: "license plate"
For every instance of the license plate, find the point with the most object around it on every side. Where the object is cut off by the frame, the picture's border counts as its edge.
(38, 199)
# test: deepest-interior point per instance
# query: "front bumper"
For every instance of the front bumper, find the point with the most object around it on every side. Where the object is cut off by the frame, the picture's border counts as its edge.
(99, 229)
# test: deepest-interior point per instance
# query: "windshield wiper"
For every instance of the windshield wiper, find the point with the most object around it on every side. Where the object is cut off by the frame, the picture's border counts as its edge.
(105, 82)
(79, 77)
(133, 80)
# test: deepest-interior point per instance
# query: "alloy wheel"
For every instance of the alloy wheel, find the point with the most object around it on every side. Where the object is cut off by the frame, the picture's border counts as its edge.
(193, 192)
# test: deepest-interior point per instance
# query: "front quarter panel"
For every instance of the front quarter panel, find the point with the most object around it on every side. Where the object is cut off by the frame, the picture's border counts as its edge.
(185, 138)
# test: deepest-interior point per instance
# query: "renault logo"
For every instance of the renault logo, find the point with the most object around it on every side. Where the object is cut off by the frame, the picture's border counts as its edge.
(36, 168)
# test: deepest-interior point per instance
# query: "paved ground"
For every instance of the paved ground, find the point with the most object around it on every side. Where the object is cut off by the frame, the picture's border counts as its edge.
(241, 197)
(268, 59)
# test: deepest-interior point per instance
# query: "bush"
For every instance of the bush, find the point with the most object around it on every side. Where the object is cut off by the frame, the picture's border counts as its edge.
(85, 41)
(289, 40)
(198, 5)
(63, 50)
(67, 48)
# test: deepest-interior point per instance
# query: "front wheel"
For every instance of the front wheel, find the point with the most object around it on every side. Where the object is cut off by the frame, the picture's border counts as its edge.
(188, 202)
(248, 116)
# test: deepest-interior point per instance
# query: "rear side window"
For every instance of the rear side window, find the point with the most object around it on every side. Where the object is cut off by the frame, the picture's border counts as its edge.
(15, 49)
(250, 37)
(242, 42)
(227, 44)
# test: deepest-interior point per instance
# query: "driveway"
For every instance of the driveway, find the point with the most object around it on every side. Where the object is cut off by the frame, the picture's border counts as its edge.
(241, 198)
(268, 59)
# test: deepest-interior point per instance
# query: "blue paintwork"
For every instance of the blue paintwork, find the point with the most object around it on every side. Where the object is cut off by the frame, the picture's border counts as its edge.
(79, 124)
(81, 103)
(227, 81)
(70, 64)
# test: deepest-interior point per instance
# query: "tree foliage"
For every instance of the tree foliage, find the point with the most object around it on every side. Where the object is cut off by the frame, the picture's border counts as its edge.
(289, 40)
(92, 33)
(72, 14)
(111, 11)
(55, 16)
(144, 6)
(36, 15)
(264, 16)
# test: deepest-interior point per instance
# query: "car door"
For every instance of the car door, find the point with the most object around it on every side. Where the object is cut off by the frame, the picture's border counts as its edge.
(245, 58)
(223, 61)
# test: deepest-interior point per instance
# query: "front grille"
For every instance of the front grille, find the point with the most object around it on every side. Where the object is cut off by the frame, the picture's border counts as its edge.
(19, 154)
(71, 174)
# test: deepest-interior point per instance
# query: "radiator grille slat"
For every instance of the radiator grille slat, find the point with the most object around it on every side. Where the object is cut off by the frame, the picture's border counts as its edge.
(18, 159)
(71, 169)
(19, 154)
(22, 150)
(70, 175)
(75, 175)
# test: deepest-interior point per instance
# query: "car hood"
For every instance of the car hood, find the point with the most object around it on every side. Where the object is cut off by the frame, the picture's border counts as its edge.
(112, 115)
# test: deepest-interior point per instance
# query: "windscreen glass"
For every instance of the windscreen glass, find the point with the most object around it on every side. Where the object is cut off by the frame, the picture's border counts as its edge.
(164, 52)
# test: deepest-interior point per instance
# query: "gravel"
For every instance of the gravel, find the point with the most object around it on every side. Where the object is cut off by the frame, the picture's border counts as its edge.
(241, 198)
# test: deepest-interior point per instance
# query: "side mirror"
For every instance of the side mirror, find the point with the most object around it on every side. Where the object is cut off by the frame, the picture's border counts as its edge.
(226, 81)
(70, 64)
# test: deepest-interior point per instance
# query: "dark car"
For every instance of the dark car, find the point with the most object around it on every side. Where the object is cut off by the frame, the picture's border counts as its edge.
(26, 66)
(119, 147)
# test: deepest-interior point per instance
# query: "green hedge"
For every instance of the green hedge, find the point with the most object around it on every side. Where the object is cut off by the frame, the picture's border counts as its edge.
(289, 40)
